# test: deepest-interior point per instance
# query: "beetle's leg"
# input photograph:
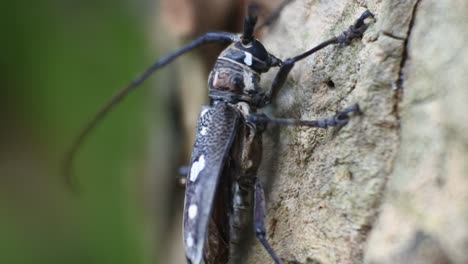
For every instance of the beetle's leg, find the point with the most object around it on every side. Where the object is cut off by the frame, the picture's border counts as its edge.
(259, 220)
(341, 118)
(354, 31)
(210, 37)
(182, 174)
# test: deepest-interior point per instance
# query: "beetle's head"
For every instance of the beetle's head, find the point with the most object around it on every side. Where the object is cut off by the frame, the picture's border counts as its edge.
(240, 80)
(249, 51)
(254, 55)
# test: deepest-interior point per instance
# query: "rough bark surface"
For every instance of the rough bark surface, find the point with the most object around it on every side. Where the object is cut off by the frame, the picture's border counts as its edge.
(425, 215)
(390, 186)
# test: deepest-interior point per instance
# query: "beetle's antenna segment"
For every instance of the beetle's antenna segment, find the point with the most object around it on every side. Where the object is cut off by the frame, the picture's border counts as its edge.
(71, 153)
(274, 15)
(249, 23)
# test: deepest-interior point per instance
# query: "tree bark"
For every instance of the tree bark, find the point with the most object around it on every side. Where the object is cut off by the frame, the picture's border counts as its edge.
(390, 186)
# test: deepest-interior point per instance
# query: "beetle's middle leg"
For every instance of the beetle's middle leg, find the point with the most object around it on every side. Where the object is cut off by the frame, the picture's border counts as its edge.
(341, 118)
(182, 174)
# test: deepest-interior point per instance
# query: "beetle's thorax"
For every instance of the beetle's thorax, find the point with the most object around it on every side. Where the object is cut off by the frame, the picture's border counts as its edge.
(232, 79)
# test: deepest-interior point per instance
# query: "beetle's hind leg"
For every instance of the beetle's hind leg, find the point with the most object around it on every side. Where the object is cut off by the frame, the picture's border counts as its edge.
(259, 220)
(339, 119)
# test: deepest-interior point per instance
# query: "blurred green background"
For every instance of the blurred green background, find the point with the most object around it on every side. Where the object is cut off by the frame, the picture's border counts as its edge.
(61, 60)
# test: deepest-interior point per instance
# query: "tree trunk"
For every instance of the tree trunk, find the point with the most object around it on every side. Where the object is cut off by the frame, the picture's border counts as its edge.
(390, 186)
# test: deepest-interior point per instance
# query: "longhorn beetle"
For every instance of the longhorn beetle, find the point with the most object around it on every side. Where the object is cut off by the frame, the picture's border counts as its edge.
(223, 192)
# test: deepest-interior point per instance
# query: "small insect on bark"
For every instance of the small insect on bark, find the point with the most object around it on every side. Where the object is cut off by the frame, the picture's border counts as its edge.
(223, 195)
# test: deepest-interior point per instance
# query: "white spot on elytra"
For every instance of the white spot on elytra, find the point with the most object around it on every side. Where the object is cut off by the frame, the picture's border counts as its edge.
(248, 59)
(189, 241)
(192, 211)
(238, 200)
(204, 131)
(197, 166)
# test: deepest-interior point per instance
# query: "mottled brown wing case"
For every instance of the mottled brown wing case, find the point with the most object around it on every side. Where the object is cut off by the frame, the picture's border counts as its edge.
(216, 130)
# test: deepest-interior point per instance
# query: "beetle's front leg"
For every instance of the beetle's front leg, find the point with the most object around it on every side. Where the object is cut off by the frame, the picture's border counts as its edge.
(259, 220)
(354, 31)
(341, 118)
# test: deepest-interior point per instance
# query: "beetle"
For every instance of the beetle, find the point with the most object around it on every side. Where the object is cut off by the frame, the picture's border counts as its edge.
(223, 194)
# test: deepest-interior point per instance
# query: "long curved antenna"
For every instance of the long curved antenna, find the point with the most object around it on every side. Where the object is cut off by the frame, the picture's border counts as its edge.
(249, 23)
(273, 16)
(209, 37)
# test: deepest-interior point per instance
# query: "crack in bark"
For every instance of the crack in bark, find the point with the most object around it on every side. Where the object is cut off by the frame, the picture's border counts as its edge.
(390, 35)
(404, 58)
(404, 55)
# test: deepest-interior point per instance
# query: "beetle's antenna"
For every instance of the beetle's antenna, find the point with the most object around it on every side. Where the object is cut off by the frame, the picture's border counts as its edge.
(274, 15)
(249, 23)
(70, 155)
(209, 37)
